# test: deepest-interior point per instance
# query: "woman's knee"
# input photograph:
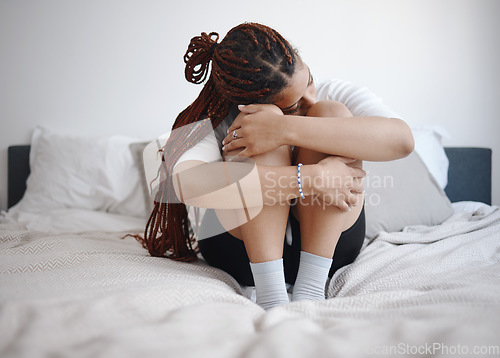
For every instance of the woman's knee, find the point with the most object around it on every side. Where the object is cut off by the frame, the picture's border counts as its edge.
(320, 109)
(328, 109)
(277, 157)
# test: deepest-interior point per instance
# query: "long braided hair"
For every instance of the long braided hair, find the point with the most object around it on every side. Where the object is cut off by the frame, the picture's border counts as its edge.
(252, 64)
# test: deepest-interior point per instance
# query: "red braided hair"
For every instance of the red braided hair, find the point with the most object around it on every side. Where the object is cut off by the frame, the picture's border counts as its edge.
(252, 64)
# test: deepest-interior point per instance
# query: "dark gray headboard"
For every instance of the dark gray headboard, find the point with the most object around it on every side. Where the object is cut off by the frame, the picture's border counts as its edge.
(469, 176)
(18, 171)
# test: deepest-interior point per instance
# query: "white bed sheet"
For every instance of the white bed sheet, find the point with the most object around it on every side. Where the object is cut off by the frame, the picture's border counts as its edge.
(73, 221)
(433, 289)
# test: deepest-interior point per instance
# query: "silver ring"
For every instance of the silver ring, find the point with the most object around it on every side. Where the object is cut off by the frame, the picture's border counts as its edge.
(235, 136)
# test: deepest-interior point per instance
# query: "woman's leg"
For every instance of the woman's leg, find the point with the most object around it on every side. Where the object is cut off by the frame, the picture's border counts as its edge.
(264, 234)
(320, 225)
(263, 237)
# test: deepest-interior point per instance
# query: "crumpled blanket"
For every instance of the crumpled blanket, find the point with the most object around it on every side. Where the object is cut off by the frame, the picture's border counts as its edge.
(426, 291)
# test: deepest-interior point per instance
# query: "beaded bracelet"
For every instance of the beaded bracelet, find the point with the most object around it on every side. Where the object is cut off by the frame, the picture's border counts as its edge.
(299, 181)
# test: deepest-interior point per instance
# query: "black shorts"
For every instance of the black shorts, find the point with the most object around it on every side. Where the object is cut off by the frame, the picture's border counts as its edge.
(228, 253)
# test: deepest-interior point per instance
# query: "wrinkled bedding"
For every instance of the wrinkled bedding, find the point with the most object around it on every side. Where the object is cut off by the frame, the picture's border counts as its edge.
(426, 291)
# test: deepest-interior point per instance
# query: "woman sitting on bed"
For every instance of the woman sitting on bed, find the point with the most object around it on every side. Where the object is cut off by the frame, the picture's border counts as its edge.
(297, 163)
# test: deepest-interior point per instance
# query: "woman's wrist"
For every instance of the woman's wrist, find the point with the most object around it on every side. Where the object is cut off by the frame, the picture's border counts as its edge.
(289, 129)
(307, 174)
(282, 129)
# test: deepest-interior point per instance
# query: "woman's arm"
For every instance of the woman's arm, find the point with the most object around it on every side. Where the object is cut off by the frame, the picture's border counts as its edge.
(365, 138)
(235, 185)
(262, 129)
(232, 185)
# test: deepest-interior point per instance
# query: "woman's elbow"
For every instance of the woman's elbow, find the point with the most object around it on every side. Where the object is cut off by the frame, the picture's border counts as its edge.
(405, 144)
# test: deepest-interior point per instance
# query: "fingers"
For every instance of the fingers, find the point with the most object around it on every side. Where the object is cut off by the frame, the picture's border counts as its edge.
(342, 205)
(233, 139)
(232, 134)
(344, 199)
(244, 109)
(235, 130)
(233, 145)
(250, 108)
(345, 203)
(350, 202)
(353, 182)
(353, 200)
(349, 191)
(355, 185)
(235, 155)
(357, 173)
(347, 160)
(235, 126)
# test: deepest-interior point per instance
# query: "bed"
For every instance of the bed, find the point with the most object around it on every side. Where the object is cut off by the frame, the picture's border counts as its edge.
(426, 283)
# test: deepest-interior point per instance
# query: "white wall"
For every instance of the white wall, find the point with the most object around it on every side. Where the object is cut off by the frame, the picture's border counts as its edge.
(115, 66)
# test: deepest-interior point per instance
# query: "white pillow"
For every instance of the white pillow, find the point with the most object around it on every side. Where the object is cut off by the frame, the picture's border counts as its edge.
(82, 173)
(402, 193)
(430, 149)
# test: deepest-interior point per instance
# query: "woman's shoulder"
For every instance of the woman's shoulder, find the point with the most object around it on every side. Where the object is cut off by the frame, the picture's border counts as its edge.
(337, 89)
(358, 99)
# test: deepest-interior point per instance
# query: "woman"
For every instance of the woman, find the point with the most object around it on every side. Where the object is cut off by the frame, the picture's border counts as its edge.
(306, 182)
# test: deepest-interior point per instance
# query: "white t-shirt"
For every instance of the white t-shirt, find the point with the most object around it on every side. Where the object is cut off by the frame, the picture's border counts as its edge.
(360, 101)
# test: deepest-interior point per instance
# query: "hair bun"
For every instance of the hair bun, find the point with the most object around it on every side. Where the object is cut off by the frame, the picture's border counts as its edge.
(198, 56)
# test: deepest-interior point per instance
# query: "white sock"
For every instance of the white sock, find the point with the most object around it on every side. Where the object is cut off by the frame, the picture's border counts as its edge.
(270, 287)
(312, 276)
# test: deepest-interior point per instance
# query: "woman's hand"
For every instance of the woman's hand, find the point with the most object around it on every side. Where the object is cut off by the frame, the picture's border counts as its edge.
(259, 128)
(338, 182)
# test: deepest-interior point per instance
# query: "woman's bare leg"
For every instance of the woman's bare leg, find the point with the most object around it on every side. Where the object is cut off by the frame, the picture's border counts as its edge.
(263, 237)
(321, 225)
(264, 234)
